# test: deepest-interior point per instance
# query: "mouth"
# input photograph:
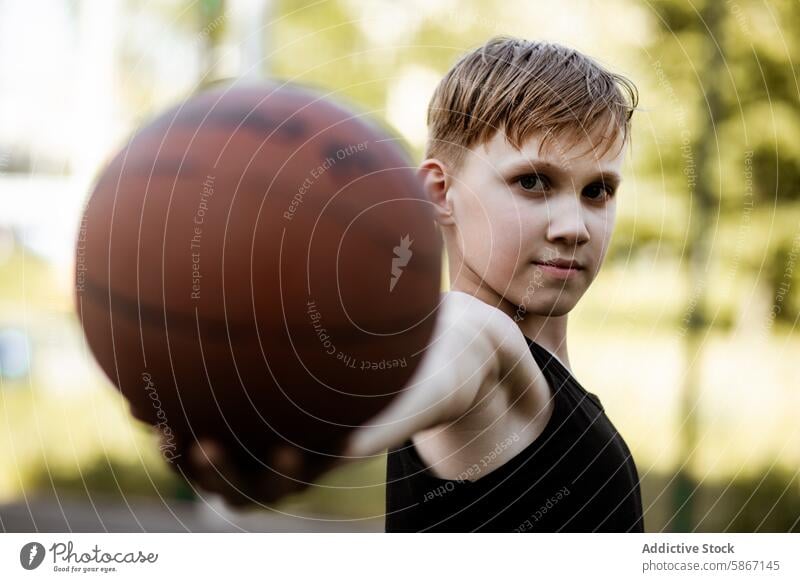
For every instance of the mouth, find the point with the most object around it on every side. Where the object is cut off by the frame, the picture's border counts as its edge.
(560, 268)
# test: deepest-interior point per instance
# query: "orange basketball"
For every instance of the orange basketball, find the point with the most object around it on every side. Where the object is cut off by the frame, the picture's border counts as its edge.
(258, 265)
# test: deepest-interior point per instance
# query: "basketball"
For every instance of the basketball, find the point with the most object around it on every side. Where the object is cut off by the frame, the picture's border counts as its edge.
(258, 265)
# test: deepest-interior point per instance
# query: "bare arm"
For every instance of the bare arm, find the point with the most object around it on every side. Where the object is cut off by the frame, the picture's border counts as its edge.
(475, 350)
(462, 355)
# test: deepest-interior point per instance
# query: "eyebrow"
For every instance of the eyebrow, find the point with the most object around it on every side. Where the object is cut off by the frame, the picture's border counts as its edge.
(533, 165)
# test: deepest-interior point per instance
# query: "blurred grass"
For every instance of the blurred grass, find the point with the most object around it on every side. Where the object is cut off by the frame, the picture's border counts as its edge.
(70, 437)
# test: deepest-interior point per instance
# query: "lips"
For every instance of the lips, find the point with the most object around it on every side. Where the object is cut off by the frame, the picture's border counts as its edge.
(562, 264)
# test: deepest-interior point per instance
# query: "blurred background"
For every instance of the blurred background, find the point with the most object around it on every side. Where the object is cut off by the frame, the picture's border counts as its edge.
(689, 335)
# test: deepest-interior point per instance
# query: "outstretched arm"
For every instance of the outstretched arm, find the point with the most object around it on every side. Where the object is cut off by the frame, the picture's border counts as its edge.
(474, 349)
(471, 346)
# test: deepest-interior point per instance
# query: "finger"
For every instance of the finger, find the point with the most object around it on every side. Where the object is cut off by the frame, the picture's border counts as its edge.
(287, 460)
(284, 472)
(268, 481)
(211, 470)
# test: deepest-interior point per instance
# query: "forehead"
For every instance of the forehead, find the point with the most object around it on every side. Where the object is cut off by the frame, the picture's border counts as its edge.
(587, 151)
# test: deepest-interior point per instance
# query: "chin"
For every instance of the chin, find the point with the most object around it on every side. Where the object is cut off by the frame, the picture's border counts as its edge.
(553, 303)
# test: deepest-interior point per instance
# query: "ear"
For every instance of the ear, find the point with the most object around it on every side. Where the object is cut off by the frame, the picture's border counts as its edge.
(437, 183)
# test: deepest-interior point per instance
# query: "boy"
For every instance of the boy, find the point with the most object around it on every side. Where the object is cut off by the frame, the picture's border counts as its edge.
(493, 433)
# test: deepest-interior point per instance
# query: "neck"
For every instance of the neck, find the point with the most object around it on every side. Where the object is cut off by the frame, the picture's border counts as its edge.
(548, 332)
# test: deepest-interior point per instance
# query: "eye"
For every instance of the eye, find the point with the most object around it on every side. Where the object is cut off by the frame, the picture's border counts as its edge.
(598, 191)
(532, 182)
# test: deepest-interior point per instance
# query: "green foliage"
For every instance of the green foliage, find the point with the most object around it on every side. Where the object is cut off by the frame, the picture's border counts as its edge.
(109, 477)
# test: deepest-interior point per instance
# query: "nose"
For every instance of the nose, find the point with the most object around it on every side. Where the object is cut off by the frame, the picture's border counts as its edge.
(566, 220)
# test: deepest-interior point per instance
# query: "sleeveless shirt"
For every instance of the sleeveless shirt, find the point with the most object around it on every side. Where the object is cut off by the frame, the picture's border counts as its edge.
(578, 475)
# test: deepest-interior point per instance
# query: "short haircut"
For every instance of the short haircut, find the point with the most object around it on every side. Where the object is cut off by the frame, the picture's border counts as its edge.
(520, 87)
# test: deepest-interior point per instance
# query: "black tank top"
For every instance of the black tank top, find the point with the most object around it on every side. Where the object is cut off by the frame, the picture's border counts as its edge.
(578, 475)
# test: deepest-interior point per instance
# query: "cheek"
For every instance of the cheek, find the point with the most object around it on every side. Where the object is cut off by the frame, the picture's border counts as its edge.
(495, 244)
(601, 228)
(609, 219)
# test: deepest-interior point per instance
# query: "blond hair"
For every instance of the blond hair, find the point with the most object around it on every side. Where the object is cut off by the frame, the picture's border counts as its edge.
(521, 87)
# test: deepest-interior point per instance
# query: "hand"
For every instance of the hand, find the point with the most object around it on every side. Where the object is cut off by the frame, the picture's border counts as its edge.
(241, 484)
(476, 350)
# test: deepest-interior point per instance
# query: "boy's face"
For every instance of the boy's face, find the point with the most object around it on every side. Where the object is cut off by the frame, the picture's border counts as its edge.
(511, 210)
